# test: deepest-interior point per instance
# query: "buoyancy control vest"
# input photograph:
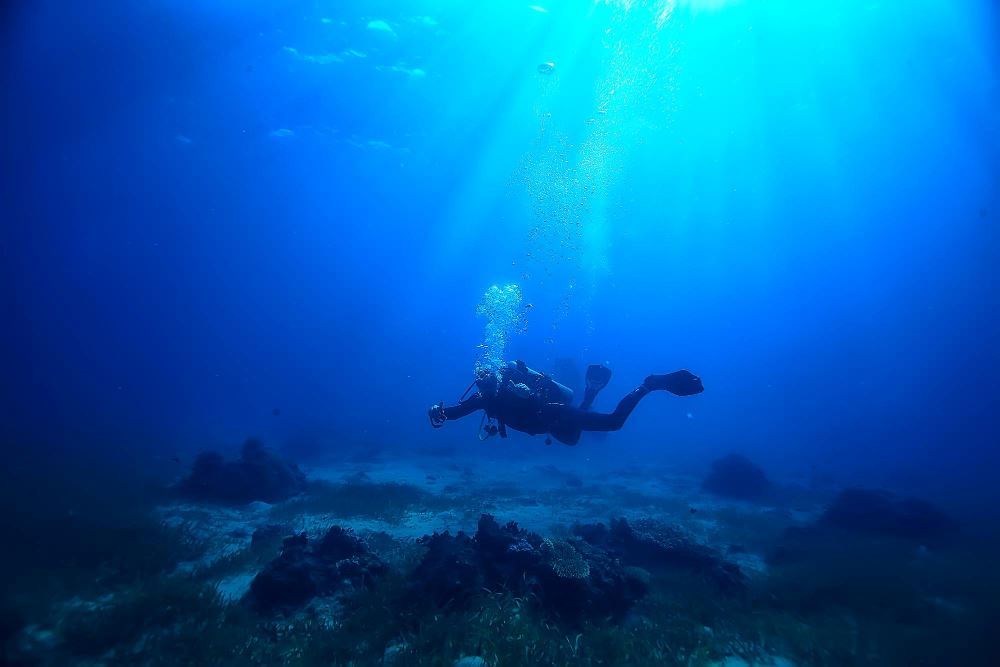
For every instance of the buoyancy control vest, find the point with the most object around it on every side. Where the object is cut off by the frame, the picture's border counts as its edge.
(516, 395)
(526, 383)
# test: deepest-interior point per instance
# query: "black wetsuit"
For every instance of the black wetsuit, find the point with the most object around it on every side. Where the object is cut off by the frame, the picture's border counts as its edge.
(564, 422)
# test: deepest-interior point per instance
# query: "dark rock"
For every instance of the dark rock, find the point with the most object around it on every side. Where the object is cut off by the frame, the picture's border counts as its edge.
(449, 572)
(258, 474)
(879, 513)
(650, 544)
(568, 578)
(339, 544)
(304, 570)
(594, 533)
(864, 526)
(738, 477)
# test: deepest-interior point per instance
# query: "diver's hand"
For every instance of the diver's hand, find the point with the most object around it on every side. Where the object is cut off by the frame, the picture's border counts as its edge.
(436, 415)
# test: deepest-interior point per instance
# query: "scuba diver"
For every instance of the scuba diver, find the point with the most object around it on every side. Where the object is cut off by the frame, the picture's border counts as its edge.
(534, 403)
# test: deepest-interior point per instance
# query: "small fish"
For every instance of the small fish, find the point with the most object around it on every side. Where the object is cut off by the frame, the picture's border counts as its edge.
(276, 412)
(693, 510)
(482, 346)
(176, 459)
(546, 68)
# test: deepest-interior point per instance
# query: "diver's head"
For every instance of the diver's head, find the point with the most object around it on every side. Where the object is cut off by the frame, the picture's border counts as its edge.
(486, 382)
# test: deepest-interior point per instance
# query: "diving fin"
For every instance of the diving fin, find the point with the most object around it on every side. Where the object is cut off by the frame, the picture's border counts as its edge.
(597, 378)
(678, 383)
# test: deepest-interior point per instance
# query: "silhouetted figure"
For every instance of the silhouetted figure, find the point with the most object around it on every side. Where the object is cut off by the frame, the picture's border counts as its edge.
(533, 403)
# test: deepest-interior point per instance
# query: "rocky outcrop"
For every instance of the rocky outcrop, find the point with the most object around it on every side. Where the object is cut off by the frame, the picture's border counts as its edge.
(259, 474)
(735, 476)
(599, 572)
(880, 513)
(339, 562)
(876, 525)
(569, 578)
(653, 545)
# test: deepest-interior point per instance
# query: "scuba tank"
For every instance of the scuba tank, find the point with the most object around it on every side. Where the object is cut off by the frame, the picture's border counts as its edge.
(517, 378)
(529, 383)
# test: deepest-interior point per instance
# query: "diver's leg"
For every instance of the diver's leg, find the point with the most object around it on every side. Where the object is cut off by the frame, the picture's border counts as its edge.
(564, 419)
(681, 383)
(612, 421)
(567, 434)
(562, 422)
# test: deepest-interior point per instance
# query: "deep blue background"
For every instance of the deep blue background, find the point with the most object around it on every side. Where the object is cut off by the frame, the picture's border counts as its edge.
(798, 202)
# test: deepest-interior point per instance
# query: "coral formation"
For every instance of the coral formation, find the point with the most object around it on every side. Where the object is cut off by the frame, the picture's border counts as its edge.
(570, 579)
(304, 570)
(258, 474)
(735, 476)
(564, 559)
(877, 512)
(654, 545)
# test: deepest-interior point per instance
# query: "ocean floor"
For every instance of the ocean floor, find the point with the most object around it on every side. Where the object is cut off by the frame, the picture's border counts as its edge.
(860, 601)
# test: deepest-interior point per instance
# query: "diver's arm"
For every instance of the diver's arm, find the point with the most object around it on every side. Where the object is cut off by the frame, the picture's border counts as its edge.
(439, 414)
(466, 407)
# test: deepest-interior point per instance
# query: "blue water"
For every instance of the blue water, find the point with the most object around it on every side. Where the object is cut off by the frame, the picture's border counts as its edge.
(225, 218)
